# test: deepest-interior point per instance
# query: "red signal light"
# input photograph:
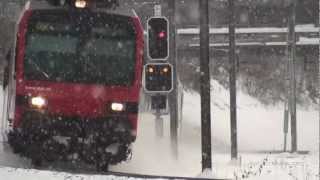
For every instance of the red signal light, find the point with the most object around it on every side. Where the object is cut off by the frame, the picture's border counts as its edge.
(158, 39)
(162, 34)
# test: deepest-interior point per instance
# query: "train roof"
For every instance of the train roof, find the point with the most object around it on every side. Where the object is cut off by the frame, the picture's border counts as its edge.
(43, 5)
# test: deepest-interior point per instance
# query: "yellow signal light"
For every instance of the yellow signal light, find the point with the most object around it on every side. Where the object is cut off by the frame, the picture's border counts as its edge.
(165, 69)
(150, 70)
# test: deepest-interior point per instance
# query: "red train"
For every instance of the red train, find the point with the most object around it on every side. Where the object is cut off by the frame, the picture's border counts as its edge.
(74, 83)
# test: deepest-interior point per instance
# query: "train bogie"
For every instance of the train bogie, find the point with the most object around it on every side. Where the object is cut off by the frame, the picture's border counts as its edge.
(95, 140)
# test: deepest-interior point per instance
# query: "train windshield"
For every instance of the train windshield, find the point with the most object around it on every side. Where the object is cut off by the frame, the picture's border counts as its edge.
(65, 48)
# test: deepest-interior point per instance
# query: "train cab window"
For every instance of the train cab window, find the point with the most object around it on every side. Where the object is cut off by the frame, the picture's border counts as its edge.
(100, 51)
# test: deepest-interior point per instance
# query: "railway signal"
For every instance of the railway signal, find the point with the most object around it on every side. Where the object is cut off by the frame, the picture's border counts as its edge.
(158, 77)
(158, 38)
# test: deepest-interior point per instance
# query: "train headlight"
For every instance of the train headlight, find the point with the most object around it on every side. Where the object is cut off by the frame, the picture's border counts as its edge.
(38, 102)
(117, 107)
(80, 4)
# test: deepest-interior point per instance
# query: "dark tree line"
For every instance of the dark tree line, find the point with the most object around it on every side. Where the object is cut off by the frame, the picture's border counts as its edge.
(6, 40)
(261, 73)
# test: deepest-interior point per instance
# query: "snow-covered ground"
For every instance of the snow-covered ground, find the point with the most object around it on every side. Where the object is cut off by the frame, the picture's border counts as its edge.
(259, 133)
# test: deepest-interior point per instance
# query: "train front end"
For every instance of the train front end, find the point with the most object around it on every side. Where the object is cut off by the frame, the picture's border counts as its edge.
(77, 79)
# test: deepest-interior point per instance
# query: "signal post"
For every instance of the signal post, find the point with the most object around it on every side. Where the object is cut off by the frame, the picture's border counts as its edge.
(160, 73)
(173, 96)
(205, 86)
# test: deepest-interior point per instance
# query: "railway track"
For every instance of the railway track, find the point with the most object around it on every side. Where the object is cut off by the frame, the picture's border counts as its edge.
(69, 170)
(140, 176)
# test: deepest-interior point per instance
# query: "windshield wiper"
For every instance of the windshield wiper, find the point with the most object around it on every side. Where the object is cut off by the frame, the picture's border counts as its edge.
(39, 69)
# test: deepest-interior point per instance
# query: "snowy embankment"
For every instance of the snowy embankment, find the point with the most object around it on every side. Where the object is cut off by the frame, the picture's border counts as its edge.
(260, 138)
(260, 128)
(259, 132)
